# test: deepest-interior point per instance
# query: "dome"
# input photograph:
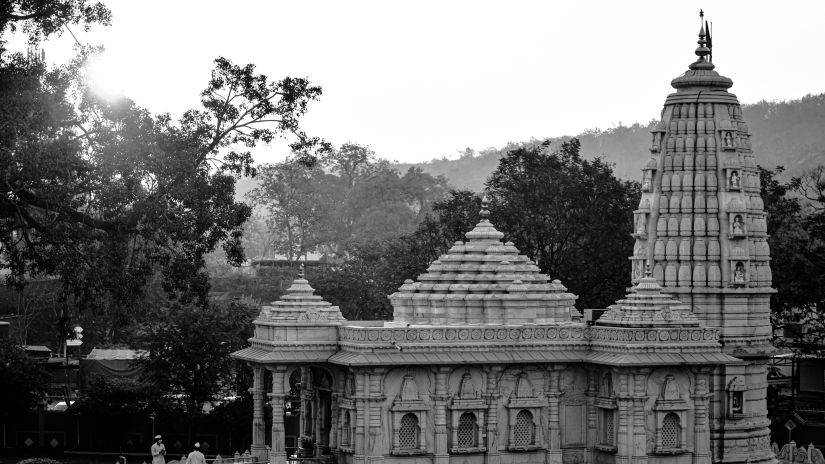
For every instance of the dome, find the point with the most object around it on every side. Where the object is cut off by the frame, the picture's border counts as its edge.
(483, 281)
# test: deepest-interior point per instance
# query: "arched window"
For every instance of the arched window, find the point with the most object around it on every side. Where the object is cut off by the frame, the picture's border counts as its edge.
(467, 431)
(671, 431)
(345, 429)
(523, 431)
(408, 433)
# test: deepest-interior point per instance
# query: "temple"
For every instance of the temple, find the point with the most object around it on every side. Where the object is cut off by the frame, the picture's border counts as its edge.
(487, 361)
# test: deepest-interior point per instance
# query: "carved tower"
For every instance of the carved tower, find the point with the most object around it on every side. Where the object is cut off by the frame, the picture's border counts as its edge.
(701, 227)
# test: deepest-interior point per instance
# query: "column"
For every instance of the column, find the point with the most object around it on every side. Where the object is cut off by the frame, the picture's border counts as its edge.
(553, 393)
(492, 395)
(361, 416)
(258, 447)
(701, 424)
(375, 393)
(440, 397)
(639, 430)
(277, 455)
(624, 402)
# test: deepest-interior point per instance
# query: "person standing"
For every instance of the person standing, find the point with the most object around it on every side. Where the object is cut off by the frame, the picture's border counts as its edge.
(196, 457)
(158, 451)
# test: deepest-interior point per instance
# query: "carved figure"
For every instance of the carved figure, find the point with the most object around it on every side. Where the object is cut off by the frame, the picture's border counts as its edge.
(739, 273)
(734, 179)
(670, 391)
(738, 225)
(728, 140)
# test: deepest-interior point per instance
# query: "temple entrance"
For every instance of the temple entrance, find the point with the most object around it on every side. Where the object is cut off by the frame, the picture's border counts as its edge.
(310, 399)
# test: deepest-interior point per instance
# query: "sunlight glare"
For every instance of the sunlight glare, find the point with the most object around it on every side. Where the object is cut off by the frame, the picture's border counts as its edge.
(107, 77)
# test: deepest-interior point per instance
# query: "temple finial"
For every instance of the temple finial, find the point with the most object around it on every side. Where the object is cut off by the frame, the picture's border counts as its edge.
(702, 51)
(647, 270)
(485, 204)
(301, 271)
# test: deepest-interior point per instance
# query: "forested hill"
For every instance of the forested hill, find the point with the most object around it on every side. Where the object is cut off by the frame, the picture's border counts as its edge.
(790, 133)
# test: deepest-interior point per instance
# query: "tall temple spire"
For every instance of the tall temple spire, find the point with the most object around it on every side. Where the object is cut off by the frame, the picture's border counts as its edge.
(701, 226)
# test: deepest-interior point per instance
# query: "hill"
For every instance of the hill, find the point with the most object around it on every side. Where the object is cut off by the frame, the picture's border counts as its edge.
(789, 133)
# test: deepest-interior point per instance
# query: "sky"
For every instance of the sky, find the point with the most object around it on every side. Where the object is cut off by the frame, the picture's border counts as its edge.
(417, 80)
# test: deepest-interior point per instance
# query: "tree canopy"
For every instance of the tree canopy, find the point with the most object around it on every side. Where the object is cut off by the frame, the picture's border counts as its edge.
(102, 194)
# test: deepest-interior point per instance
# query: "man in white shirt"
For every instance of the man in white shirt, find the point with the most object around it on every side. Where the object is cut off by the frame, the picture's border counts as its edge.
(158, 451)
(196, 457)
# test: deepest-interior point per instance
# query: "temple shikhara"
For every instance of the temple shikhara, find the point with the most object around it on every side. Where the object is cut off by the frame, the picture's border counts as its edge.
(487, 361)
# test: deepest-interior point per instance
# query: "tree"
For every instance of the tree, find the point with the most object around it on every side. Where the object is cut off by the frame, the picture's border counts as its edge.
(22, 380)
(188, 354)
(103, 194)
(43, 18)
(796, 236)
(567, 214)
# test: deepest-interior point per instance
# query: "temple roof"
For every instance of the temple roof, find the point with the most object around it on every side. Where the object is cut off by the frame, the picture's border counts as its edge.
(483, 281)
(647, 306)
(300, 304)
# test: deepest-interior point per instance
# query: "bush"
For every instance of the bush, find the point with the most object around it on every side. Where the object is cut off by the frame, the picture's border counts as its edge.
(39, 461)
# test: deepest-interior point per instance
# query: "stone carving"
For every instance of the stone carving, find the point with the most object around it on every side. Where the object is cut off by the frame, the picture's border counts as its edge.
(733, 180)
(739, 277)
(790, 454)
(670, 390)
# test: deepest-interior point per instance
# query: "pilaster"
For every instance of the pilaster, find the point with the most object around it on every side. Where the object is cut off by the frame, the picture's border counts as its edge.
(440, 397)
(553, 394)
(701, 425)
(492, 395)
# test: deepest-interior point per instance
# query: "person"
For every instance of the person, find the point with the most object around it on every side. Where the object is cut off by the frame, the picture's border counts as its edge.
(196, 457)
(158, 451)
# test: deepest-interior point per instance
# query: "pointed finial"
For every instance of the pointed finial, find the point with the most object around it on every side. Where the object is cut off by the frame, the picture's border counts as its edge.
(485, 204)
(647, 270)
(702, 51)
(301, 271)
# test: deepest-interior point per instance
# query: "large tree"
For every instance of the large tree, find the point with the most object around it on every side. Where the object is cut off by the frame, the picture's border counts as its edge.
(103, 194)
(570, 215)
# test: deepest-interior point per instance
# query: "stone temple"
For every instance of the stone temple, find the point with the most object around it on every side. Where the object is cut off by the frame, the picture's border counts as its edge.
(487, 360)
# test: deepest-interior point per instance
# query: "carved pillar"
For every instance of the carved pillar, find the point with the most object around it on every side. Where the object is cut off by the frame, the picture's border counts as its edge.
(440, 450)
(701, 424)
(492, 395)
(258, 447)
(591, 430)
(361, 416)
(277, 454)
(554, 393)
(639, 429)
(624, 402)
(375, 396)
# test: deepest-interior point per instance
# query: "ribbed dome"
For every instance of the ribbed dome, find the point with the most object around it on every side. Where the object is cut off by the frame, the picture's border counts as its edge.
(483, 281)
(300, 303)
(647, 306)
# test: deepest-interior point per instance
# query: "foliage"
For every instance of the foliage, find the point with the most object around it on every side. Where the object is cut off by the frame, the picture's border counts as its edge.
(567, 213)
(375, 269)
(188, 352)
(39, 461)
(102, 193)
(115, 397)
(336, 206)
(43, 18)
(796, 235)
(22, 380)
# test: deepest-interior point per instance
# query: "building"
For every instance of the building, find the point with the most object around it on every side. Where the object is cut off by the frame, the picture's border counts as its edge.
(487, 360)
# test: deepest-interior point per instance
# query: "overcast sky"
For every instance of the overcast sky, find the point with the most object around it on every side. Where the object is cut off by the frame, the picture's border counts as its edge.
(418, 80)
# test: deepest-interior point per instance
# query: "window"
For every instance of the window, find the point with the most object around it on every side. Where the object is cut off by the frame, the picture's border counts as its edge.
(467, 431)
(671, 432)
(608, 427)
(523, 431)
(408, 433)
(345, 429)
